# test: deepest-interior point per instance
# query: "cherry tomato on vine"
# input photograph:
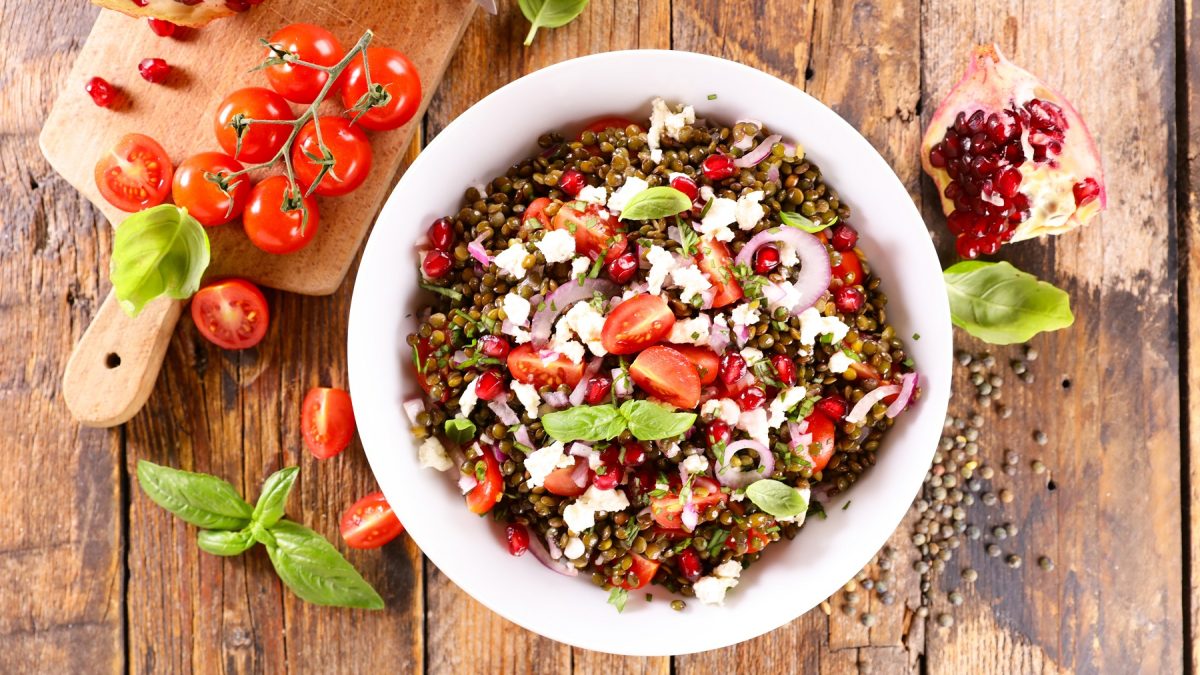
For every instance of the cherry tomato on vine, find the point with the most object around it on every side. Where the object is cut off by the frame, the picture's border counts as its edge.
(348, 147)
(311, 44)
(260, 142)
(399, 78)
(370, 522)
(202, 197)
(273, 229)
(231, 313)
(135, 173)
(326, 421)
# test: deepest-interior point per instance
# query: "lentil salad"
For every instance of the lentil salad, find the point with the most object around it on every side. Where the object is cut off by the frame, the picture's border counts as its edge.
(676, 344)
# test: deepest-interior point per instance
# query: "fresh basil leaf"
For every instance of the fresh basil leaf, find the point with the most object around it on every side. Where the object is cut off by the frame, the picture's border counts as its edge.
(617, 598)
(200, 499)
(549, 14)
(1000, 304)
(315, 571)
(778, 499)
(159, 251)
(649, 421)
(656, 202)
(224, 542)
(584, 423)
(460, 430)
(796, 220)
(273, 499)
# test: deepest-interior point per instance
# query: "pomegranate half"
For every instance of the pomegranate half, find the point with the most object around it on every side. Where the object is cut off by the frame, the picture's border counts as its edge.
(1012, 159)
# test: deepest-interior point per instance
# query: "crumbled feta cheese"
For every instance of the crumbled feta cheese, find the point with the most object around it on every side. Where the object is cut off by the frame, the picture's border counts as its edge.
(580, 265)
(744, 315)
(711, 589)
(813, 324)
(584, 321)
(568, 348)
(738, 495)
(662, 119)
(527, 394)
(754, 422)
(512, 260)
(710, 409)
(785, 401)
(787, 255)
(695, 464)
(541, 462)
(574, 548)
(467, 401)
(581, 514)
(633, 185)
(706, 193)
(670, 451)
(751, 355)
(722, 213)
(661, 264)
(839, 362)
(748, 210)
(691, 282)
(432, 455)
(593, 195)
(730, 569)
(520, 335)
(691, 331)
(557, 246)
(516, 309)
(786, 295)
(726, 410)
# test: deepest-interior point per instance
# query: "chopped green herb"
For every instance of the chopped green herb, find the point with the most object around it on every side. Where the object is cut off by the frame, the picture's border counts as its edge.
(448, 292)
(846, 505)
(617, 598)
(712, 97)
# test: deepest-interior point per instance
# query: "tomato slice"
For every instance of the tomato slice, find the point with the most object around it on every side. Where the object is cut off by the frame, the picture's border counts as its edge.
(326, 421)
(536, 211)
(642, 568)
(637, 323)
(484, 496)
(231, 314)
(370, 522)
(135, 173)
(667, 509)
(611, 122)
(561, 483)
(595, 229)
(716, 263)
(527, 366)
(822, 430)
(705, 360)
(667, 375)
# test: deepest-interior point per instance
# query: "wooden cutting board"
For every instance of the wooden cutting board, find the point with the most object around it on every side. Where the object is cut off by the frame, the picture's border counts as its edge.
(114, 366)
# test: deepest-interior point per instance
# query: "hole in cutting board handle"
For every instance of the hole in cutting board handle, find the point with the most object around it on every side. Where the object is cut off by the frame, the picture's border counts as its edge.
(113, 360)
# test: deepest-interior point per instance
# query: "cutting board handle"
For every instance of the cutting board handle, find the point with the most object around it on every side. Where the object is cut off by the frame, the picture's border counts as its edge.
(114, 366)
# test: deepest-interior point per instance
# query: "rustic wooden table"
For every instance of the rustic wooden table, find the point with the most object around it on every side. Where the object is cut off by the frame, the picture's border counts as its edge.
(95, 578)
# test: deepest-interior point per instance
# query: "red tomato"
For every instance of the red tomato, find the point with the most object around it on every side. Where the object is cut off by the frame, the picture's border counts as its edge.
(595, 230)
(755, 541)
(637, 323)
(536, 211)
(484, 496)
(560, 483)
(370, 522)
(822, 430)
(667, 509)
(203, 198)
(612, 122)
(705, 360)
(399, 78)
(271, 228)
(135, 173)
(231, 314)
(260, 142)
(349, 147)
(850, 269)
(326, 421)
(668, 376)
(716, 263)
(643, 568)
(311, 44)
(527, 366)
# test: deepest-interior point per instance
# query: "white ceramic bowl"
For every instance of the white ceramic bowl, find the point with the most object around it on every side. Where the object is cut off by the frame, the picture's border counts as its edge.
(792, 577)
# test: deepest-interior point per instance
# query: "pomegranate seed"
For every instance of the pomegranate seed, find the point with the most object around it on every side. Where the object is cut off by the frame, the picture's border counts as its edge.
(609, 473)
(441, 234)
(489, 385)
(751, 398)
(937, 156)
(622, 268)
(849, 299)
(1009, 182)
(518, 539)
(634, 454)
(766, 259)
(597, 389)
(436, 264)
(686, 185)
(733, 367)
(718, 167)
(1085, 191)
(141, 3)
(966, 247)
(572, 181)
(161, 28)
(843, 237)
(718, 433)
(689, 564)
(494, 346)
(101, 91)
(833, 406)
(784, 369)
(646, 478)
(154, 70)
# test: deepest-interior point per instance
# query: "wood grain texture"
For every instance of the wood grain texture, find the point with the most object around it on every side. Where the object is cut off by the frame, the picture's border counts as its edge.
(1188, 51)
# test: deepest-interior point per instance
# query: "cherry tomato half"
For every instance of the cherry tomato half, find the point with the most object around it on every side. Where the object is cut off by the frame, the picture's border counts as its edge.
(637, 323)
(326, 421)
(705, 360)
(260, 142)
(560, 482)
(135, 173)
(271, 228)
(612, 122)
(666, 509)
(370, 522)
(643, 569)
(350, 151)
(422, 366)
(595, 230)
(668, 376)
(311, 44)
(714, 260)
(203, 198)
(536, 211)
(484, 496)
(399, 78)
(527, 366)
(822, 430)
(231, 314)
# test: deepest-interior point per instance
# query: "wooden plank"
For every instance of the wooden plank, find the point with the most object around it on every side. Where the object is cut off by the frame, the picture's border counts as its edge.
(1189, 186)
(1112, 525)
(61, 567)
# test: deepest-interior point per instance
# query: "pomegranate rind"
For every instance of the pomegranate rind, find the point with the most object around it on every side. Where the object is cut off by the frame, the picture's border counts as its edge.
(993, 83)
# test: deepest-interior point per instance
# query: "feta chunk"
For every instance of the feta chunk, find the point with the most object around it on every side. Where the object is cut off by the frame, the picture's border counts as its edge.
(711, 589)
(787, 255)
(580, 266)
(691, 331)
(568, 348)
(754, 422)
(512, 260)
(749, 210)
(633, 185)
(691, 282)
(839, 362)
(467, 401)
(812, 324)
(722, 213)
(541, 462)
(724, 409)
(432, 455)
(661, 264)
(574, 548)
(751, 355)
(557, 246)
(786, 295)
(785, 401)
(584, 321)
(516, 309)
(744, 315)
(581, 514)
(662, 119)
(593, 195)
(695, 464)
(527, 394)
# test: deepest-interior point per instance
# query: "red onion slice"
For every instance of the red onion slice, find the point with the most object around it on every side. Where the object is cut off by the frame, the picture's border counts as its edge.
(689, 517)
(578, 449)
(908, 384)
(758, 154)
(860, 410)
(815, 271)
(522, 436)
(412, 408)
(543, 556)
(621, 384)
(580, 474)
(466, 481)
(580, 389)
(498, 453)
(737, 478)
(556, 399)
(504, 412)
(796, 435)
(478, 252)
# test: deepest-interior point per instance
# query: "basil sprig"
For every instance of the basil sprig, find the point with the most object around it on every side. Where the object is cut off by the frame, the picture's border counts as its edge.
(656, 202)
(1000, 304)
(776, 498)
(158, 251)
(549, 14)
(305, 561)
(646, 420)
(793, 219)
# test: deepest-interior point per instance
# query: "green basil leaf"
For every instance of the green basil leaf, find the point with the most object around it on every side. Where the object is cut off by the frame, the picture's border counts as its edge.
(460, 430)
(656, 202)
(649, 421)
(796, 220)
(273, 499)
(1000, 304)
(315, 571)
(549, 14)
(159, 251)
(617, 598)
(224, 542)
(584, 423)
(200, 499)
(778, 499)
